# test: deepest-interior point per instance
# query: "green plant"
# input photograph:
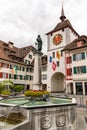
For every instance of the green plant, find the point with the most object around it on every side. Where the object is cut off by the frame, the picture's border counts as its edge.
(35, 93)
(1, 88)
(18, 88)
(5, 92)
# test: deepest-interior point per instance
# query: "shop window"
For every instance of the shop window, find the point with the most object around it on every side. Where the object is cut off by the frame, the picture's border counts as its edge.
(85, 84)
(79, 88)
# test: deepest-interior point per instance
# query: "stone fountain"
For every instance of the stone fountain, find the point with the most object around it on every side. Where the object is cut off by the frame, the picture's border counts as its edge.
(55, 114)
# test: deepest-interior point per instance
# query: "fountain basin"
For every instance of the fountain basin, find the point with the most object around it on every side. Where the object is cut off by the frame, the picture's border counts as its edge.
(52, 115)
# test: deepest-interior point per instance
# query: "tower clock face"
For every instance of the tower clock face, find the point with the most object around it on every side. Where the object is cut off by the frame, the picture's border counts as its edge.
(57, 39)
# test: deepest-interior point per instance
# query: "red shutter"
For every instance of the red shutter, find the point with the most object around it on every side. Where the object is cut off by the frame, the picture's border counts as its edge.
(2, 64)
(7, 76)
(68, 72)
(68, 60)
(7, 65)
(0, 75)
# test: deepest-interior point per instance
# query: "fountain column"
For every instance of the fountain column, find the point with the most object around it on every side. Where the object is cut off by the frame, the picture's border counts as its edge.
(37, 84)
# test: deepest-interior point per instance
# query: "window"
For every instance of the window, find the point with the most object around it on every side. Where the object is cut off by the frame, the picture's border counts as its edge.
(85, 84)
(44, 68)
(79, 88)
(10, 66)
(20, 77)
(80, 69)
(29, 69)
(53, 54)
(79, 56)
(30, 56)
(23, 68)
(57, 63)
(5, 65)
(15, 76)
(4, 75)
(27, 62)
(29, 77)
(44, 77)
(61, 53)
(11, 76)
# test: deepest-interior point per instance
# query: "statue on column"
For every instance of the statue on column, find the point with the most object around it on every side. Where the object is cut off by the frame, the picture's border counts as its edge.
(39, 43)
(37, 83)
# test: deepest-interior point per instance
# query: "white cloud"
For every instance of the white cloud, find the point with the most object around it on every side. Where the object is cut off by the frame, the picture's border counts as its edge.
(22, 20)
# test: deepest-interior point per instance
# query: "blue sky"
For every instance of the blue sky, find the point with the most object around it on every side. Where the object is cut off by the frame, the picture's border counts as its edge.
(22, 20)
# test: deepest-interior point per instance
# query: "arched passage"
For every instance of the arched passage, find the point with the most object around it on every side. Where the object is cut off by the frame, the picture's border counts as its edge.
(57, 82)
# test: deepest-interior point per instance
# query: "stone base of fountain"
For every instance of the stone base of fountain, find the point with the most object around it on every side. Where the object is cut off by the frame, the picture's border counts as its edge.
(13, 118)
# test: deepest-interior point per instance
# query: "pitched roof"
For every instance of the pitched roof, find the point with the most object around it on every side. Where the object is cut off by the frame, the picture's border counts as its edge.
(8, 50)
(73, 45)
(60, 26)
(3, 55)
(25, 50)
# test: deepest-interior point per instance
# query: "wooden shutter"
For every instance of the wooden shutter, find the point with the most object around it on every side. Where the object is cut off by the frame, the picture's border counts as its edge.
(1, 75)
(74, 57)
(7, 76)
(83, 69)
(74, 70)
(68, 72)
(83, 55)
(7, 65)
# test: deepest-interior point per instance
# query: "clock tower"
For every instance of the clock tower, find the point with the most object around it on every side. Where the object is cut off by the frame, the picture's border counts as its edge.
(62, 34)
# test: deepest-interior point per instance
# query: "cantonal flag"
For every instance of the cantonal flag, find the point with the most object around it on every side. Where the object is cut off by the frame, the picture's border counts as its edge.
(58, 54)
(53, 65)
(50, 59)
(14, 70)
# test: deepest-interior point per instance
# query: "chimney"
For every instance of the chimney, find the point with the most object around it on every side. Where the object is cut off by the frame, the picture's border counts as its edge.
(11, 44)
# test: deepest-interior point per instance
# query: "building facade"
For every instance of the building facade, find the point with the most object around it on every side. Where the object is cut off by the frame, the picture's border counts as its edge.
(58, 38)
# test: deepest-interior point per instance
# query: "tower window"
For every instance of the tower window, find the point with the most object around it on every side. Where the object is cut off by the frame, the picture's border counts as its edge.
(53, 54)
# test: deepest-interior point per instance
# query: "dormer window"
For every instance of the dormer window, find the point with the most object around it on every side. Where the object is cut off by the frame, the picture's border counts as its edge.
(30, 56)
(79, 43)
(25, 49)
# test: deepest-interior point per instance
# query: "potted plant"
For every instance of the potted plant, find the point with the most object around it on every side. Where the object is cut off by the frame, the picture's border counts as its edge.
(5, 93)
(36, 94)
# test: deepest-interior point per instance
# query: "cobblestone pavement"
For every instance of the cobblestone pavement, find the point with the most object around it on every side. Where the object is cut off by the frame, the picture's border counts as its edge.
(81, 118)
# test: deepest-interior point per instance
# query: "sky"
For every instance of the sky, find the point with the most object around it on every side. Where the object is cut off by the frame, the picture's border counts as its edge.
(22, 20)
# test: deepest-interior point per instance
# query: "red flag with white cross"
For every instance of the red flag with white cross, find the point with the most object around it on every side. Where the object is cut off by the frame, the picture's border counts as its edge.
(53, 65)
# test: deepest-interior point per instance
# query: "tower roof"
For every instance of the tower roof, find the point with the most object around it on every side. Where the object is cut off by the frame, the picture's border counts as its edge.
(62, 25)
(62, 17)
(65, 23)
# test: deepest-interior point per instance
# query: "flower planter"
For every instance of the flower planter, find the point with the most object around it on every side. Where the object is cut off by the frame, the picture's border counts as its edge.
(4, 96)
(37, 95)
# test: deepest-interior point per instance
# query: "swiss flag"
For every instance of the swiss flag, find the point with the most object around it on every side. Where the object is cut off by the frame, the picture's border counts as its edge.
(53, 65)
